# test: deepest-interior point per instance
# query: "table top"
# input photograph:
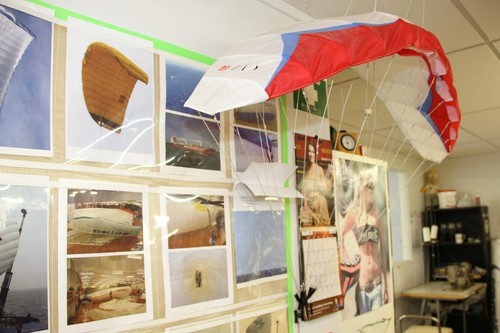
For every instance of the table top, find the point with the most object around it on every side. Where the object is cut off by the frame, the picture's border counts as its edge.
(443, 291)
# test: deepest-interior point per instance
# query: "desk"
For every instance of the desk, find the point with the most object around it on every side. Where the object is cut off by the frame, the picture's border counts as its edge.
(442, 291)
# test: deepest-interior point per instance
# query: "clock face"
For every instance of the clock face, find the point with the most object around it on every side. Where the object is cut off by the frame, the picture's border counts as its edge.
(348, 142)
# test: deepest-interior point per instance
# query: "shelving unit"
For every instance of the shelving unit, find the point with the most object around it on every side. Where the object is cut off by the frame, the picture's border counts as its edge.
(476, 250)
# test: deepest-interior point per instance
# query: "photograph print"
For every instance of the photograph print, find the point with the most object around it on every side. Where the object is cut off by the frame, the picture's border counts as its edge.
(24, 303)
(192, 142)
(252, 145)
(197, 249)
(101, 221)
(109, 102)
(259, 238)
(25, 83)
(313, 158)
(363, 224)
(263, 320)
(103, 291)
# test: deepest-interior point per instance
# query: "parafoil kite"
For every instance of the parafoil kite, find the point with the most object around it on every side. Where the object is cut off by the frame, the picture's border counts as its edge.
(297, 56)
(9, 242)
(15, 39)
(108, 79)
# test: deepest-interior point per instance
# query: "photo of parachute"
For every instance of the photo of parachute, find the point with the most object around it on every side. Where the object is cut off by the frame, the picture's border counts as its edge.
(15, 39)
(108, 79)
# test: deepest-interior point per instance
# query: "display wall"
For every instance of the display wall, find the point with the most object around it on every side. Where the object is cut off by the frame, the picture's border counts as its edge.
(140, 209)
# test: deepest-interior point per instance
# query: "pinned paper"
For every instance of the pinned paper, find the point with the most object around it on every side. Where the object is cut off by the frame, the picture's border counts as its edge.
(268, 180)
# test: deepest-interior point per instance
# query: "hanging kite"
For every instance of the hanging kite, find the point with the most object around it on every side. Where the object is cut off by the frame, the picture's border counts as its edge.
(108, 79)
(297, 56)
(15, 39)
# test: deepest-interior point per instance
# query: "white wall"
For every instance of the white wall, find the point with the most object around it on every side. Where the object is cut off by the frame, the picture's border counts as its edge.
(468, 174)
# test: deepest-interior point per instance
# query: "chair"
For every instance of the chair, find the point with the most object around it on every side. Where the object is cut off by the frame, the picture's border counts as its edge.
(423, 328)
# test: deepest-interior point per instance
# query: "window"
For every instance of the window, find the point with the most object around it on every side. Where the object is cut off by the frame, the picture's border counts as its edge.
(400, 216)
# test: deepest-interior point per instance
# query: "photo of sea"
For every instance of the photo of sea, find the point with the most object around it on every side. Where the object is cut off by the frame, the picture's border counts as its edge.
(28, 306)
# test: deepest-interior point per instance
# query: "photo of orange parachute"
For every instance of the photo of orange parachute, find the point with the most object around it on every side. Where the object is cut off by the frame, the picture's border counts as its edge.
(108, 79)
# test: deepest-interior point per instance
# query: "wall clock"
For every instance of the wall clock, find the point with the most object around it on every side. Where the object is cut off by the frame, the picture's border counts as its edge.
(346, 142)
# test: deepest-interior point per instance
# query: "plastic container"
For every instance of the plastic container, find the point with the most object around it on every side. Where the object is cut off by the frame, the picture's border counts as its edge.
(447, 198)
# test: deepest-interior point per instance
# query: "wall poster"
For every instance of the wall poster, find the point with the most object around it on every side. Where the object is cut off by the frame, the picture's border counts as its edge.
(24, 305)
(105, 273)
(363, 226)
(192, 141)
(109, 97)
(313, 157)
(25, 94)
(197, 249)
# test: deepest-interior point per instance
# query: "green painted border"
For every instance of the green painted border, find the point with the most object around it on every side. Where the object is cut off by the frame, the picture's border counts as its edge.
(288, 217)
(64, 14)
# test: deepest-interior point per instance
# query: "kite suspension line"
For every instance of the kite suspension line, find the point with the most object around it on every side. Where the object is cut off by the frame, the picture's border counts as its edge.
(348, 8)
(344, 107)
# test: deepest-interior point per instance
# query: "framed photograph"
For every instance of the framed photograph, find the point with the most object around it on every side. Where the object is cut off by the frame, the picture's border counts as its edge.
(363, 228)
(105, 272)
(191, 141)
(197, 249)
(25, 94)
(24, 247)
(109, 97)
(259, 238)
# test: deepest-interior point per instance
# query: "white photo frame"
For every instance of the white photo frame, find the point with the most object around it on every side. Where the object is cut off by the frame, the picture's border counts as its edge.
(198, 275)
(27, 106)
(259, 237)
(112, 286)
(192, 144)
(254, 135)
(131, 142)
(25, 207)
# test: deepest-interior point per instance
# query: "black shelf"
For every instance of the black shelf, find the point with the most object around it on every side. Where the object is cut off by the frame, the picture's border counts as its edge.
(452, 244)
(474, 223)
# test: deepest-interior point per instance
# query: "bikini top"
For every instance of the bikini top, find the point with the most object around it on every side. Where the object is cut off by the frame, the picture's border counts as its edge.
(367, 234)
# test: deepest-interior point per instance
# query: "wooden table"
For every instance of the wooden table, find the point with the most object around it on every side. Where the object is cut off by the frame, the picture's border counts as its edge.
(443, 291)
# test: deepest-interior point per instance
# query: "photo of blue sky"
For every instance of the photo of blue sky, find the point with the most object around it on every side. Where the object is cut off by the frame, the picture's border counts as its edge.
(181, 79)
(25, 116)
(259, 245)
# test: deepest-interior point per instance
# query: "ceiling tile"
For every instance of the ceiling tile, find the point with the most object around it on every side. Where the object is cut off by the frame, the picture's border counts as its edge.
(471, 149)
(486, 12)
(478, 123)
(477, 78)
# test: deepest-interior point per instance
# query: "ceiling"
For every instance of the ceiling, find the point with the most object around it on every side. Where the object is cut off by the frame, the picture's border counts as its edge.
(469, 31)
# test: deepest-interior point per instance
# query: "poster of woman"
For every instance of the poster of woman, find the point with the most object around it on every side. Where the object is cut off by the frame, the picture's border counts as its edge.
(362, 222)
(315, 181)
